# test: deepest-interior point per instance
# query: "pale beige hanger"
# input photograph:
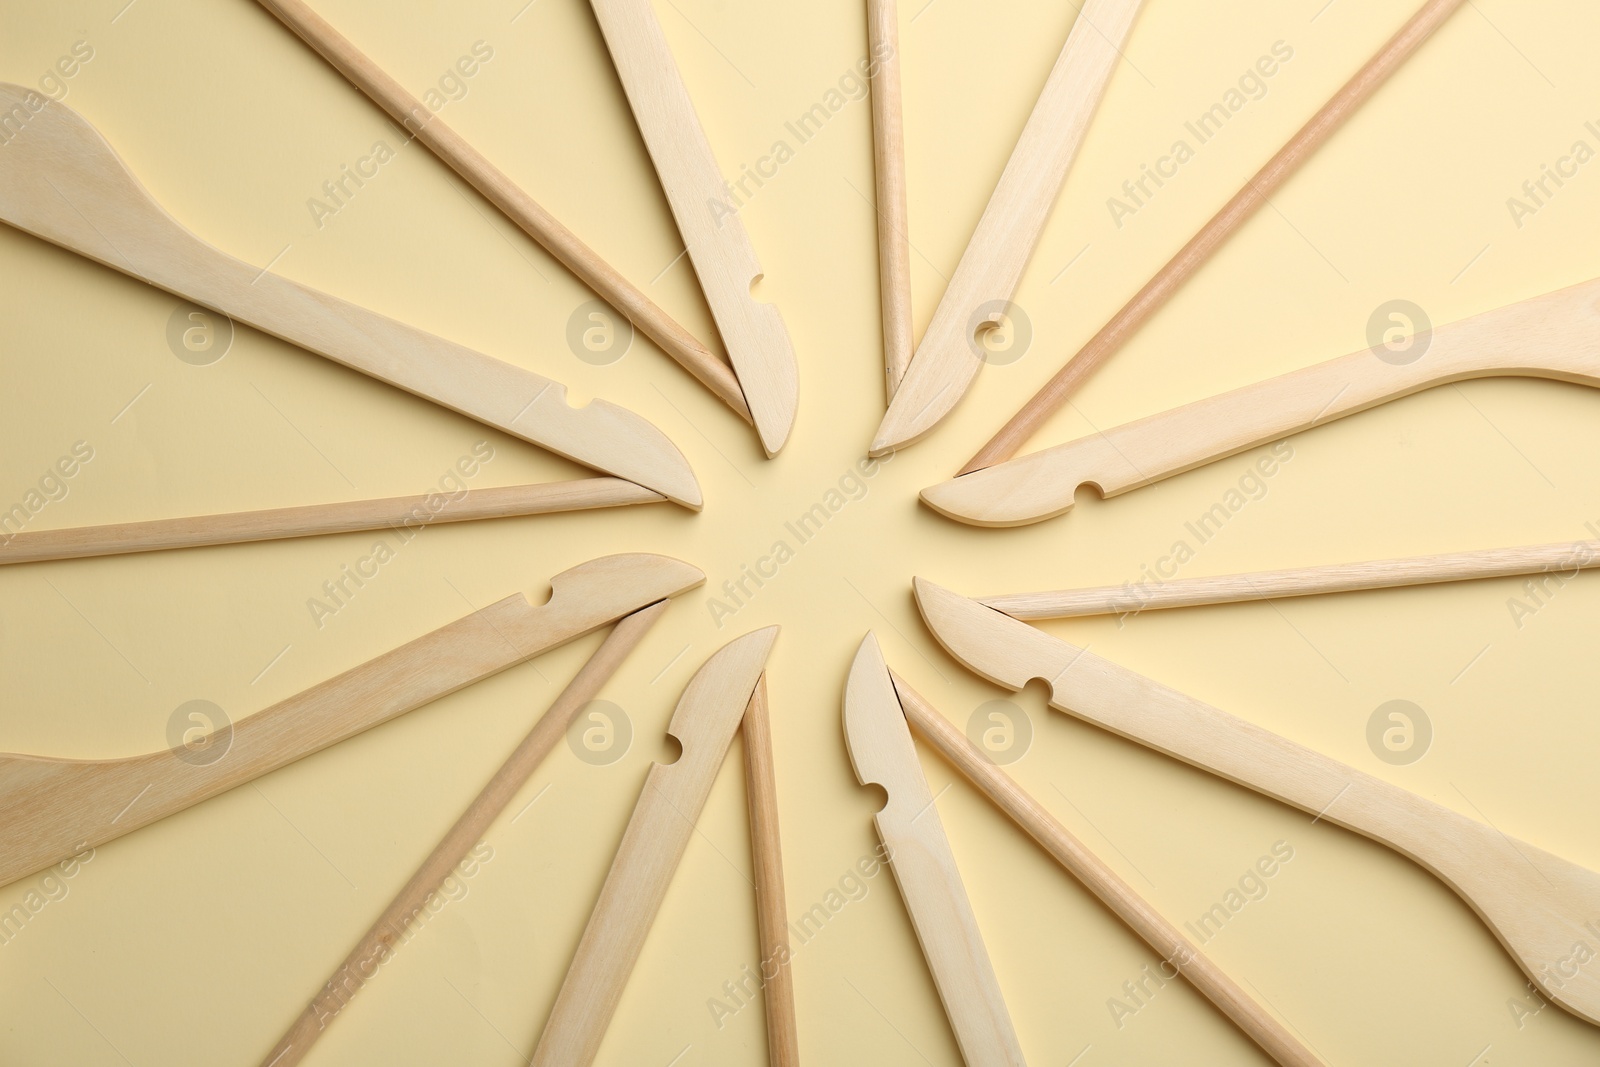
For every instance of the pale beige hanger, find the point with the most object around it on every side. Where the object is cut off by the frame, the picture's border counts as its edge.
(1259, 1024)
(1556, 335)
(518, 206)
(376, 944)
(714, 237)
(1257, 190)
(663, 820)
(881, 751)
(889, 178)
(1537, 904)
(1563, 559)
(979, 294)
(52, 809)
(61, 181)
(398, 513)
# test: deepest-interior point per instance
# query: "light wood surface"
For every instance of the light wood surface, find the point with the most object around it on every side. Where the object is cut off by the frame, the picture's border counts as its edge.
(1537, 904)
(663, 820)
(946, 360)
(889, 177)
(61, 181)
(400, 513)
(503, 193)
(766, 852)
(52, 808)
(925, 869)
(1555, 336)
(1176, 950)
(1257, 190)
(756, 338)
(1563, 559)
(377, 944)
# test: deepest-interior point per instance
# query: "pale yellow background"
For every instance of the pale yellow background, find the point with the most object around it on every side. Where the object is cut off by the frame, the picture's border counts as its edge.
(196, 940)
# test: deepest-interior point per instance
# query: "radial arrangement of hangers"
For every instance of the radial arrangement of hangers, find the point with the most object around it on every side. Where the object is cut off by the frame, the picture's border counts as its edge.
(62, 181)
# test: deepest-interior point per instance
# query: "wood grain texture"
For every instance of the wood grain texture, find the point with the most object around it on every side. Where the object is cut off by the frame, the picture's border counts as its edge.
(1554, 336)
(756, 338)
(378, 943)
(925, 869)
(1563, 559)
(1256, 191)
(663, 820)
(407, 514)
(61, 181)
(889, 178)
(979, 294)
(772, 913)
(453, 150)
(52, 808)
(1259, 1024)
(1537, 904)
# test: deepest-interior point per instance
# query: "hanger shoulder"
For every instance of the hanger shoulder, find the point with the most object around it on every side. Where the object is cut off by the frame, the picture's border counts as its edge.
(1537, 904)
(51, 808)
(757, 341)
(663, 820)
(980, 291)
(924, 867)
(1552, 336)
(63, 182)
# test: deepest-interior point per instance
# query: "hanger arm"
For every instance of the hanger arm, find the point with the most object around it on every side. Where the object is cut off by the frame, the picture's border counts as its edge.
(1552, 336)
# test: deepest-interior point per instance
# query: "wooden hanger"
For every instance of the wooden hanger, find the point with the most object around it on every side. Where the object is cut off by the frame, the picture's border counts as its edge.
(454, 151)
(376, 944)
(1260, 1025)
(1257, 190)
(756, 339)
(881, 751)
(52, 809)
(61, 181)
(345, 516)
(991, 268)
(1564, 559)
(658, 832)
(889, 176)
(1535, 903)
(1552, 336)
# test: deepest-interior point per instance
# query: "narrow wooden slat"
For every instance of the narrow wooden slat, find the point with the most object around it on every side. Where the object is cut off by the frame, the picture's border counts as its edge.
(407, 514)
(889, 176)
(766, 850)
(378, 943)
